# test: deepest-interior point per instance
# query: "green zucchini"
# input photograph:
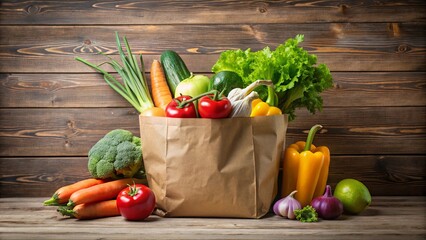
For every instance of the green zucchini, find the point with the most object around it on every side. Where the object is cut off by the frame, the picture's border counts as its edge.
(174, 69)
(226, 81)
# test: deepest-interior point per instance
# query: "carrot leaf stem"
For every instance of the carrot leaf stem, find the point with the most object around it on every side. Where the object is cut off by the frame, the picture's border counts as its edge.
(53, 201)
(66, 211)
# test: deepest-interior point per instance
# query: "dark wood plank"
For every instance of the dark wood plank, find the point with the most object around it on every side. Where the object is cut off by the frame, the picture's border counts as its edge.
(384, 175)
(57, 90)
(201, 12)
(39, 177)
(362, 117)
(377, 89)
(59, 132)
(352, 89)
(368, 130)
(344, 47)
(72, 131)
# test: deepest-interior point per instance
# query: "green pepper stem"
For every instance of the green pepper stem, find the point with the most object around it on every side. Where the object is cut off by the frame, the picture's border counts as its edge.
(311, 136)
(271, 100)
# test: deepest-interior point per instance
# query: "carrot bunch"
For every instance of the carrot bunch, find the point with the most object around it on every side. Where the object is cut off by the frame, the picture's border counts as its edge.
(62, 195)
(90, 198)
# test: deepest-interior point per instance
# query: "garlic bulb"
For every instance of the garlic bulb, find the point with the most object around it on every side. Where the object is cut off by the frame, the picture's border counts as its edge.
(241, 98)
(242, 107)
(285, 207)
(238, 93)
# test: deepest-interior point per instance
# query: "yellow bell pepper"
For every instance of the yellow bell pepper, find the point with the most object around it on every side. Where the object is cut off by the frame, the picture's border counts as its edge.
(305, 169)
(322, 180)
(291, 162)
(261, 108)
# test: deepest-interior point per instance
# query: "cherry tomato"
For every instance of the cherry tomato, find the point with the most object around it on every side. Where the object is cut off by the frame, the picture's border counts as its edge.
(136, 202)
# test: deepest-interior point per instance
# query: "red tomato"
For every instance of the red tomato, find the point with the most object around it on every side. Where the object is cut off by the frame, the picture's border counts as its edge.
(136, 202)
(175, 111)
(208, 107)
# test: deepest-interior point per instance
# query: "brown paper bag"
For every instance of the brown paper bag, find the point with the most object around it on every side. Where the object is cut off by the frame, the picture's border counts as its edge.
(213, 167)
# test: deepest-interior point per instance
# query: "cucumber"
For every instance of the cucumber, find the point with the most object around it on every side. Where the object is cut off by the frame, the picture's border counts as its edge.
(174, 69)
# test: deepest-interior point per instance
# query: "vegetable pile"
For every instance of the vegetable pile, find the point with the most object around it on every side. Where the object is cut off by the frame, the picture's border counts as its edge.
(297, 81)
(245, 83)
(115, 163)
(305, 174)
(94, 198)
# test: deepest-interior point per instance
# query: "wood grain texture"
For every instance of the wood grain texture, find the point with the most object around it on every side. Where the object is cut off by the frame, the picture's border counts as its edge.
(384, 175)
(60, 132)
(391, 218)
(53, 108)
(90, 90)
(211, 12)
(376, 89)
(57, 90)
(339, 45)
(40, 176)
(72, 131)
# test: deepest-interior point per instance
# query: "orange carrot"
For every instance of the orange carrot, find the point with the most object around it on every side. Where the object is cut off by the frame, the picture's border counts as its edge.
(101, 192)
(92, 210)
(62, 195)
(154, 112)
(160, 90)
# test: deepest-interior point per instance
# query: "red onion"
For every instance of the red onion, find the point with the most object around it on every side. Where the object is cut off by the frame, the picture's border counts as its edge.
(327, 206)
(285, 207)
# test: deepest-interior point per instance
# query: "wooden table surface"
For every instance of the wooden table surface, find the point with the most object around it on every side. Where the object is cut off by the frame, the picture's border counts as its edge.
(386, 218)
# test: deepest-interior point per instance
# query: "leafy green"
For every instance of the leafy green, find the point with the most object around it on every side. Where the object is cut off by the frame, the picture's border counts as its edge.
(297, 80)
(306, 214)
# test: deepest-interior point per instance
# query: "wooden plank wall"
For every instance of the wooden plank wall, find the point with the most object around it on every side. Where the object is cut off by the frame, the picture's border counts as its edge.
(53, 109)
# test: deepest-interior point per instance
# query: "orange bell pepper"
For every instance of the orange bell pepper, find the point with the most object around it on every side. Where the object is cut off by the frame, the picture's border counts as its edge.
(305, 169)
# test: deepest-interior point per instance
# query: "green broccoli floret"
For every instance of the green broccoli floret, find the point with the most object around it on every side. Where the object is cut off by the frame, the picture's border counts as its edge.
(117, 155)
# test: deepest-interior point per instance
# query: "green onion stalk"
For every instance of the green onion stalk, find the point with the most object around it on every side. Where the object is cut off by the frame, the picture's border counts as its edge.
(134, 87)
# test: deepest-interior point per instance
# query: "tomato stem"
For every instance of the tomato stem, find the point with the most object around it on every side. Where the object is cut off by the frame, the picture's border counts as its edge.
(133, 190)
(181, 104)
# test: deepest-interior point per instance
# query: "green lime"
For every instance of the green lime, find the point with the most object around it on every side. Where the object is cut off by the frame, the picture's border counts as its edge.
(353, 194)
(226, 81)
